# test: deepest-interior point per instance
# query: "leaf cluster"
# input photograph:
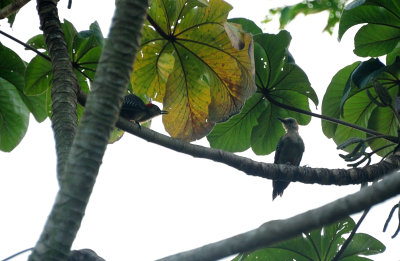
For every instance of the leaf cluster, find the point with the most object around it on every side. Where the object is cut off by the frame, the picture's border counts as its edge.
(364, 93)
(288, 13)
(26, 87)
(279, 80)
(320, 244)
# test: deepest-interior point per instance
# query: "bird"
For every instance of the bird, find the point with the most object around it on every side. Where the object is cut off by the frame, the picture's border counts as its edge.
(289, 151)
(134, 109)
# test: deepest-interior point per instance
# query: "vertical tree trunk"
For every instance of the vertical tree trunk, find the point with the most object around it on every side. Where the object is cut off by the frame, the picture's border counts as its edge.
(101, 113)
(65, 85)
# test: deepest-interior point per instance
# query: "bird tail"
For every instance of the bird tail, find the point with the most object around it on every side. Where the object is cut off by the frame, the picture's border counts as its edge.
(279, 187)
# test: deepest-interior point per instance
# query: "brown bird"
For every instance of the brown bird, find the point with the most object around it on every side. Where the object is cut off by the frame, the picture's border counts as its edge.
(289, 151)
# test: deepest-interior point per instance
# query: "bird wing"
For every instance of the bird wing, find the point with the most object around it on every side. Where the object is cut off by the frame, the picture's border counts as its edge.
(278, 149)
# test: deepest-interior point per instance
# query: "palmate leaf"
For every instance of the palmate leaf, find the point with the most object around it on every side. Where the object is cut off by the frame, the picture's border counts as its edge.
(280, 80)
(381, 34)
(320, 244)
(210, 79)
(84, 48)
(361, 104)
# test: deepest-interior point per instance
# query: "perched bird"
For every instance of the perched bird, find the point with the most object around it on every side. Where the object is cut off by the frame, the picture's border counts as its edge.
(134, 109)
(289, 151)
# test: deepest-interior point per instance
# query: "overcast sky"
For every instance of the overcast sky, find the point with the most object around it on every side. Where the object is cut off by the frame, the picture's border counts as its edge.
(149, 201)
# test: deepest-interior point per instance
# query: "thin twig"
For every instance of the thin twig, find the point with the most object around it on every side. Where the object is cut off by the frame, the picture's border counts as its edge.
(351, 125)
(17, 254)
(353, 232)
(27, 46)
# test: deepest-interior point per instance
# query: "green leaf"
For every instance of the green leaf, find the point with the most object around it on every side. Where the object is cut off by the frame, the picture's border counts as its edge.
(87, 63)
(381, 35)
(375, 40)
(361, 77)
(366, 71)
(332, 98)
(273, 56)
(234, 135)
(307, 7)
(280, 80)
(247, 25)
(210, 79)
(70, 34)
(14, 116)
(12, 69)
(94, 31)
(363, 244)
(116, 135)
(265, 136)
(392, 56)
(37, 42)
(357, 110)
(319, 244)
(292, 78)
(38, 76)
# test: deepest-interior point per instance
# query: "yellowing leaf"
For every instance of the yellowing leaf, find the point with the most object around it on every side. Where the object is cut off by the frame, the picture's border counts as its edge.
(208, 78)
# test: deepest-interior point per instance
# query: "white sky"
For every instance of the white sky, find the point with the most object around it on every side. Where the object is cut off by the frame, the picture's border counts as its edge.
(149, 201)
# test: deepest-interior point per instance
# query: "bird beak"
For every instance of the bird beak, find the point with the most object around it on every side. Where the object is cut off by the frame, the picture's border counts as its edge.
(164, 112)
(281, 119)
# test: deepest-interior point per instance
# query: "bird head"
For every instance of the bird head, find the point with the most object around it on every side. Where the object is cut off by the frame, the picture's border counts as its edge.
(289, 124)
(154, 110)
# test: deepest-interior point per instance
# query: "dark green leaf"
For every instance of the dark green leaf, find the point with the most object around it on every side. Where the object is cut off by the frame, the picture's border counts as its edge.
(95, 31)
(37, 42)
(375, 40)
(234, 135)
(292, 78)
(365, 71)
(275, 47)
(363, 244)
(38, 76)
(70, 34)
(247, 25)
(265, 136)
(357, 110)
(381, 35)
(14, 116)
(383, 120)
(319, 244)
(393, 55)
(332, 98)
(12, 69)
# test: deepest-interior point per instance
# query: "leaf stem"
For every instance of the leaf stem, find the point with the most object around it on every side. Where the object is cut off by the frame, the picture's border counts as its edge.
(25, 45)
(324, 117)
(157, 28)
(353, 232)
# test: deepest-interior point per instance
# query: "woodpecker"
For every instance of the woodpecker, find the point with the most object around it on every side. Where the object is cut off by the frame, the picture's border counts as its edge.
(289, 151)
(134, 109)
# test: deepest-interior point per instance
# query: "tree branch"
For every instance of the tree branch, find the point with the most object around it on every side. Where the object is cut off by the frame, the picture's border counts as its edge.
(279, 230)
(12, 8)
(307, 175)
(27, 46)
